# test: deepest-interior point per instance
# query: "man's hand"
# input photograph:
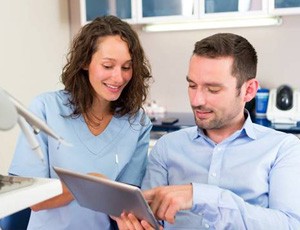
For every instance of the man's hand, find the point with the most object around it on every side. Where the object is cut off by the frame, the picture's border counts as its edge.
(166, 201)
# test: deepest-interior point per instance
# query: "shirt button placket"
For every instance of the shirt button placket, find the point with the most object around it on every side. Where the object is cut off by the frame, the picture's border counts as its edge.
(215, 166)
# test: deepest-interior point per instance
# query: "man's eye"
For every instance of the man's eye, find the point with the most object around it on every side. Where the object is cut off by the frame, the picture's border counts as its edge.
(213, 90)
(192, 86)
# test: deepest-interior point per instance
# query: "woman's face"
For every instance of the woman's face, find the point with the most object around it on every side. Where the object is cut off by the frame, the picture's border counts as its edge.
(110, 69)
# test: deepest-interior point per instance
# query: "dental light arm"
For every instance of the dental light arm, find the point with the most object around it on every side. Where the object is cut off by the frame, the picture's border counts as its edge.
(33, 142)
(12, 112)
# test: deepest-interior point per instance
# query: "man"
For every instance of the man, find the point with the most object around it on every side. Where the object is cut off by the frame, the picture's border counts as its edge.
(227, 172)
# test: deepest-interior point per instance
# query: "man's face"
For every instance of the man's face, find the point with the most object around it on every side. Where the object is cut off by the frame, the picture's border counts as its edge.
(215, 100)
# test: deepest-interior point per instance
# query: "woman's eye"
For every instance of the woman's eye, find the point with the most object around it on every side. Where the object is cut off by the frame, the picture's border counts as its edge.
(107, 66)
(126, 68)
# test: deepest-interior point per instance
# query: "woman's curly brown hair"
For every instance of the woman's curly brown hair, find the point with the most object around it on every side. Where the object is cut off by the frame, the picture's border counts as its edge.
(75, 78)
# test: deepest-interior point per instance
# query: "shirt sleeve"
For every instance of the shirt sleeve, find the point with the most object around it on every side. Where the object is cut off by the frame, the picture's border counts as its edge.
(156, 172)
(223, 209)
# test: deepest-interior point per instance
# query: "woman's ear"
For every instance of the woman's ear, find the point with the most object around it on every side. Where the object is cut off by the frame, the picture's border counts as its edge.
(86, 66)
(251, 89)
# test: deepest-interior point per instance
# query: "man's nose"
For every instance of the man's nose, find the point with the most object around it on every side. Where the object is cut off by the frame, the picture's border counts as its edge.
(198, 99)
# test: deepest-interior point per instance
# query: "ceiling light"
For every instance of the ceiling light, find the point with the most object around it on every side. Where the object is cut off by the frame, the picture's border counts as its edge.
(214, 24)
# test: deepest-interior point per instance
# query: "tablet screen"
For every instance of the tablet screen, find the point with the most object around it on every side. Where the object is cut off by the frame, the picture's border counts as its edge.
(107, 196)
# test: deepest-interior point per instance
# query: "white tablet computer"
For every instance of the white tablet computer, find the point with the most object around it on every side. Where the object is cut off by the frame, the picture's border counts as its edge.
(106, 195)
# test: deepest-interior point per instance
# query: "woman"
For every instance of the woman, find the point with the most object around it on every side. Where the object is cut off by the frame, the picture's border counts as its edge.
(100, 113)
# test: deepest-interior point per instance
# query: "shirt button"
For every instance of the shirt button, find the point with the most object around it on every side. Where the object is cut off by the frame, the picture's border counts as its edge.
(206, 225)
(214, 174)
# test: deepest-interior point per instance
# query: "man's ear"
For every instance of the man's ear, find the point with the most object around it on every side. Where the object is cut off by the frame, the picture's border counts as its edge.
(251, 89)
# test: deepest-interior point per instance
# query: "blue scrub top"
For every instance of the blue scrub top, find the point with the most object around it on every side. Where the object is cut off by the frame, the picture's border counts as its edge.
(120, 153)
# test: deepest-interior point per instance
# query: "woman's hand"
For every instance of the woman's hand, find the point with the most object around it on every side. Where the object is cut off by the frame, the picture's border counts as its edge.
(98, 175)
(61, 200)
(128, 221)
(58, 201)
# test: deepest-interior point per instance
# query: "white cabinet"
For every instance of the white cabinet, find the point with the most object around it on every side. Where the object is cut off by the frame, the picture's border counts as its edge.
(156, 11)
(232, 8)
(88, 10)
(186, 10)
(284, 7)
(83, 11)
(149, 11)
(122, 8)
(95, 8)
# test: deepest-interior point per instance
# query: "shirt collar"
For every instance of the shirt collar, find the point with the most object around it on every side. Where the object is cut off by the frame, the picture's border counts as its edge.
(247, 128)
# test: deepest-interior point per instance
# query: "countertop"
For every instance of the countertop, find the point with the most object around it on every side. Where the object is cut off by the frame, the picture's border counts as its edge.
(187, 120)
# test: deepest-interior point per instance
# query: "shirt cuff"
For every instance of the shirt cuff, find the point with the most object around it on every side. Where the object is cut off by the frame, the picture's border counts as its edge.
(204, 196)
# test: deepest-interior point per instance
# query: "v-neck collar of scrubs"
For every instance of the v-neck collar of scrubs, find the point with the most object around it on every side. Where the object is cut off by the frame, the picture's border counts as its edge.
(96, 144)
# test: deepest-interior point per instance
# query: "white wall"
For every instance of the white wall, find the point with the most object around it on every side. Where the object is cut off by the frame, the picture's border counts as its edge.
(34, 39)
(278, 49)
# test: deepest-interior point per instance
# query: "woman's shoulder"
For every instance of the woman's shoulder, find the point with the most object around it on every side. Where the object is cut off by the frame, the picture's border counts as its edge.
(140, 118)
(51, 96)
(51, 101)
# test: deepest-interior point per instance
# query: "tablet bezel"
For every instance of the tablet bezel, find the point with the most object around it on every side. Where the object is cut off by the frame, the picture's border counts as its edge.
(105, 195)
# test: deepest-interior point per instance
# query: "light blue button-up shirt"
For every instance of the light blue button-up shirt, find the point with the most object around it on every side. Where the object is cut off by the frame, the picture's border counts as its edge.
(251, 180)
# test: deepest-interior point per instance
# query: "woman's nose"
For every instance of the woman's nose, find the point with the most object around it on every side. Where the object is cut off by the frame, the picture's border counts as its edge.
(117, 74)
